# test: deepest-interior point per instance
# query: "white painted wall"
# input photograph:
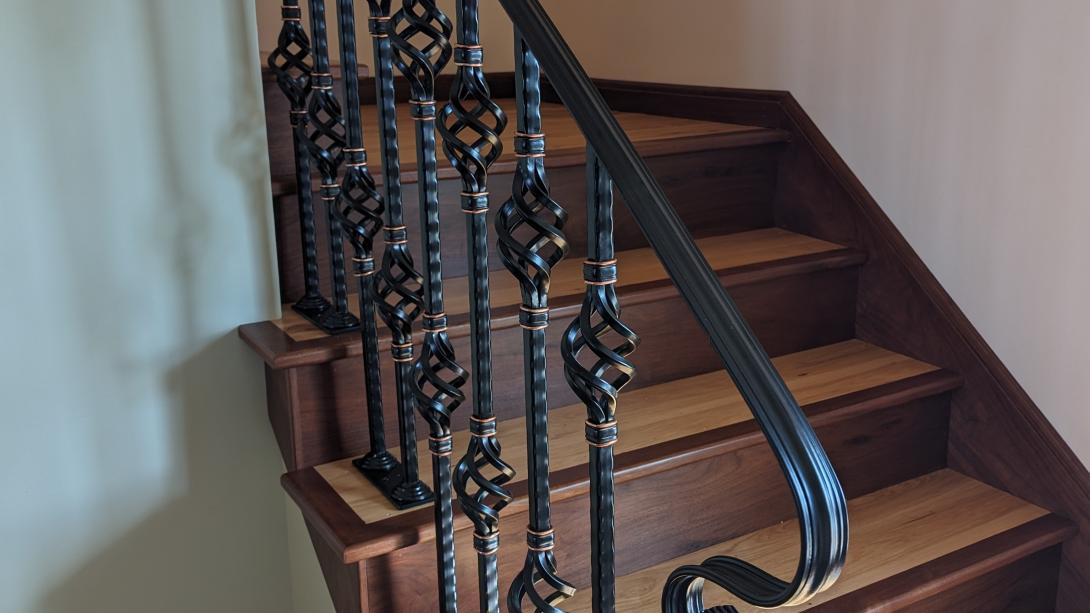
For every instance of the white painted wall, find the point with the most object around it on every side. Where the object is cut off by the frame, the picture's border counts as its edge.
(138, 472)
(967, 120)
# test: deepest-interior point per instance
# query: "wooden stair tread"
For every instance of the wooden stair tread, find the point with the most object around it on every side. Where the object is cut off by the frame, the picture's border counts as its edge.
(652, 134)
(696, 404)
(635, 267)
(891, 531)
(755, 253)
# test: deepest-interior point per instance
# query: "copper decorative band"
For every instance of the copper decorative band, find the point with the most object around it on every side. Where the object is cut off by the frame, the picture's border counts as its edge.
(402, 352)
(600, 272)
(396, 235)
(322, 81)
(486, 544)
(364, 266)
(540, 541)
(601, 435)
(356, 156)
(529, 145)
(474, 203)
(471, 56)
(379, 27)
(435, 322)
(533, 318)
(422, 110)
(441, 446)
(330, 191)
(482, 428)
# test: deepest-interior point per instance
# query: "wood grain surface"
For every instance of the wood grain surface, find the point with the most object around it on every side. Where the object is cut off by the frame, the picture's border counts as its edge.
(635, 266)
(656, 414)
(892, 530)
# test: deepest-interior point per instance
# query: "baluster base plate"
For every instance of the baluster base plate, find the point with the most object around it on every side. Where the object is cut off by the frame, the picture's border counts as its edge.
(344, 322)
(311, 306)
(388, 480)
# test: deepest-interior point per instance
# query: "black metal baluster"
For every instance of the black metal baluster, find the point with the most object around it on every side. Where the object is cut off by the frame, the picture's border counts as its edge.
(399, 285)
(531, 242)
(360, 215)
(819, 498)
(470, 125)
(327, 141)
(599, 330)
(290, 62)
(437, 376)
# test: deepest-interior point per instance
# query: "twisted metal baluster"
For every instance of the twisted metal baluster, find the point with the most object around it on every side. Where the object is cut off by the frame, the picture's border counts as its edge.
(360, 216)
(399, 285)
(819, 499)
(290, 62)
(421, 41)
(598, 384)
(327, 141)
(531, 242)
(470, 125)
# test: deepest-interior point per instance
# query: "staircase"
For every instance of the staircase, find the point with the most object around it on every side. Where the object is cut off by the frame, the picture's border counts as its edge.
(936, 451)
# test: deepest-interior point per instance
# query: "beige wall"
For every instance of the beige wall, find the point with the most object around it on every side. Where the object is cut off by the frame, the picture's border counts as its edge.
(965, 118)
(138, 469)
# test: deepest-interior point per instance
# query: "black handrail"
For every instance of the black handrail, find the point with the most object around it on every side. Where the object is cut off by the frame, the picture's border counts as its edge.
(819, 498)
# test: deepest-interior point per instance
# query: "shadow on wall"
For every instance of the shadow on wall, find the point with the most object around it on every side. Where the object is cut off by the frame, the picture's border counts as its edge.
(196, 524)
(203, 550)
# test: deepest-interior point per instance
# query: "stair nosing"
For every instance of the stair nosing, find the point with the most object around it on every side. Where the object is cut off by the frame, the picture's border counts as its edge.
(349, 534)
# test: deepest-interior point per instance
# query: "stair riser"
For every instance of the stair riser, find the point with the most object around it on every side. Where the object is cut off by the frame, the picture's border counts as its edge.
(716, 192)
(1027, 585)
(667, 514)
(320, 406)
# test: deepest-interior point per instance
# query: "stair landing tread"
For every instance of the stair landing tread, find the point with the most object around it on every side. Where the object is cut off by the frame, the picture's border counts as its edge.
(695, 404)
(636, 267)
(891, 531)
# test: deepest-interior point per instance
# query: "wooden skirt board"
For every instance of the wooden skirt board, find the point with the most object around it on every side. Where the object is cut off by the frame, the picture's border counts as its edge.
(892, 530)
(656, 414)
(635, 267)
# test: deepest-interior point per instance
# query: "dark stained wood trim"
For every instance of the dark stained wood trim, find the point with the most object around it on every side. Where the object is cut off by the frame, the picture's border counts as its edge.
(280, 351)
(956, 571)
(998, 434)
(347, 533)
(347, 583)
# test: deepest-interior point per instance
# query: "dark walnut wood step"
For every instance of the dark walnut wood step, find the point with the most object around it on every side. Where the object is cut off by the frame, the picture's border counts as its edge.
(881, 416)
(797, 293)
(920, 545)
(720, 177)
